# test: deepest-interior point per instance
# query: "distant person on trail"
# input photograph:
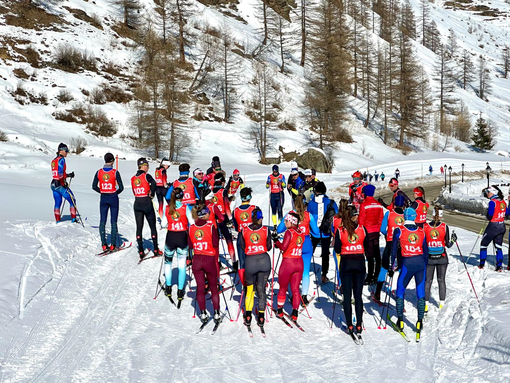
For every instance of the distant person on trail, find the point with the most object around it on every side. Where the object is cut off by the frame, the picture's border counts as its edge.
(495, 230)
(438, 239)
(376, 175)
(442, 170)
(276, 183)
(397, 173)
(430, 169)
(59, 185)
(108, 183)
(144, 189)
(382, 176)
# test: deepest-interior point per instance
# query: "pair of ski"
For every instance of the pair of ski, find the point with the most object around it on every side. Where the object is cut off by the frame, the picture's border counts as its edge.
(286, 321)
(179, 301)
(124, 246)
(357, 338)
(216, 325)
(146, 258)
(250, 332)
(402, 333)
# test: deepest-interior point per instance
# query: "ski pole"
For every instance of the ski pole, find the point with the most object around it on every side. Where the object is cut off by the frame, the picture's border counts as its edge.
(76, 208)
(469, 276)
(159, 278)
(388, 305)
(384, 303)
(306, 308)
(477, 238)
(316, 281)
(240, 303)
(334, 307)
(64, 204)
(226, 306)
(272, 284)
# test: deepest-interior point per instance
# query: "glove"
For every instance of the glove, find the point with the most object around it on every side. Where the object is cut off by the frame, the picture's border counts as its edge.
(232, 198)
(390, 273)
(274, 236)
(454, 237)
(71, 175)
(229, 223)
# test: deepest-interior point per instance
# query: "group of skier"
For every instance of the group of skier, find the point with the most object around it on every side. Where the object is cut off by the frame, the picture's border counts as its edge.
(198, 215)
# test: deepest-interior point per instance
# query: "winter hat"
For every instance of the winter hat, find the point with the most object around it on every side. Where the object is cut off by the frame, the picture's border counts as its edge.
(320, 188)
(393, 181)
(418, 191)
(165, 161)
(184, 169)
(409, 214)
(245, 194)
(399, 201)
(492, 190)
(142, 161)
(63, 147)
(294, 171)
(108, 157)
(256, 214)
(308, 172)
(276, 168)
(216, 164)
(216, 159)
(218, 178)
(203, 212)
(198, 171)
(368, 190)
(236, 172)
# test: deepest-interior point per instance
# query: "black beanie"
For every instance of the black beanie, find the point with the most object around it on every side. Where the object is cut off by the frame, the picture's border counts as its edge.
(184, 168)
(320, 188)
(108, 157)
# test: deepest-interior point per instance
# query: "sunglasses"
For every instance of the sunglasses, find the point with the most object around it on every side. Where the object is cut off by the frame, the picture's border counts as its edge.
(199, 174)
(391, 185)
(217, 169)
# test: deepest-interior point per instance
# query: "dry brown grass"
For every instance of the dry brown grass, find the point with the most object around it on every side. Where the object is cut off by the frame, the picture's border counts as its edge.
(82, 15)
(30, 16)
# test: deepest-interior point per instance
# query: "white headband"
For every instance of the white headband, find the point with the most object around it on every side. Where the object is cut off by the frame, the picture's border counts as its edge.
(291, 219)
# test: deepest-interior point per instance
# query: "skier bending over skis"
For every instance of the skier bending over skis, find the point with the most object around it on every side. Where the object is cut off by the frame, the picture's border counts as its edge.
(291, 269)
(438, 239)
(108, 183)
(413, 246)
(203, 238)
(177, 215)
(350, 242)
(255, 240)
(307, 224)
(59, 184)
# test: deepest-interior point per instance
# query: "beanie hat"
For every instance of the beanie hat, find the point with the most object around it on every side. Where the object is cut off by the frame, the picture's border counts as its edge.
(308, 172)
(276, 168)
(409, 214)
(368, 190)
(63, 147)
(320, 188)
(399, 201)
(108, 157)
(184, 168)
(142, 161)
(218, 178)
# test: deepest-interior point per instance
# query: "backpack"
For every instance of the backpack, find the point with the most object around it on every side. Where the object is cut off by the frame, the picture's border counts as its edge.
(325, 226)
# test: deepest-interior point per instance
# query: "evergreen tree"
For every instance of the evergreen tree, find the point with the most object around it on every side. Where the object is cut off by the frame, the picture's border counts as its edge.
(446, 87)
(482, 138)
(466, 74)
(484, 78)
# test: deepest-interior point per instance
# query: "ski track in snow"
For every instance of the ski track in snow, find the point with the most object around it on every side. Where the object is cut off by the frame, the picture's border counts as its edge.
(94, 319)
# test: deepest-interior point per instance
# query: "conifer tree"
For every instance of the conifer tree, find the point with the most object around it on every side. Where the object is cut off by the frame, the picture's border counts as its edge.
(483, 138)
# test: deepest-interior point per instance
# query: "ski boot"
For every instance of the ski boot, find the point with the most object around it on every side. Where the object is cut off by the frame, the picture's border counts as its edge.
(481, 265)
(368, 281)
(304, 300)
(168, 291)
(441, 304)
(217, 316)
(294, 315)
(279, 312)
(141, 253)
(427, 307)
(180, 295)
(419, 326)
(359, 329)
(113, 248)
(350, 329)
(204, 317)
(261, 319)
(499, 268)
(157, 252)
(247, 318)
(104, 246)
(508, 267)
(400, 324)
(324, 279)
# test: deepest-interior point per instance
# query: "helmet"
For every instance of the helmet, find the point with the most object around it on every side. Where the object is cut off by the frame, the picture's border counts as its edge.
(235, 172)
(357, 174)
(142, 161)
(276, 168)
